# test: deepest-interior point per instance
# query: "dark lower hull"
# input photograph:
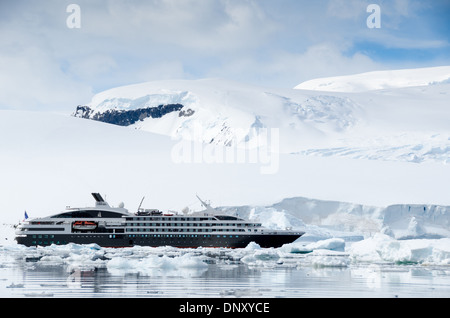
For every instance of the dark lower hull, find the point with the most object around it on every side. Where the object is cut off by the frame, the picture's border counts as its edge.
(175, 240)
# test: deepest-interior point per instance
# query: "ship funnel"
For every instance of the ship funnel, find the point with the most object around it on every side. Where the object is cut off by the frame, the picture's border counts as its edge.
(99, 200)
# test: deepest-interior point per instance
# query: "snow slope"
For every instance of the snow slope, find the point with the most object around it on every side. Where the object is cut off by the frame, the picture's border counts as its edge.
(406, 124)
(379, 80)
(227, 113)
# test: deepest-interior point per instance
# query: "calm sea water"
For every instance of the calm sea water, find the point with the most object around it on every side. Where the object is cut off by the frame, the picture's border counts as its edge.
(26, 277)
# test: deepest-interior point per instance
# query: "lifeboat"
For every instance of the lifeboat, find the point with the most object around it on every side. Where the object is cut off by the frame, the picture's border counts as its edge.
(84, 225)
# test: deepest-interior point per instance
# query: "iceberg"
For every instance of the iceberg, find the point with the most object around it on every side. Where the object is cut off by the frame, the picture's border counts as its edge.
(384, 249)
(333, 244)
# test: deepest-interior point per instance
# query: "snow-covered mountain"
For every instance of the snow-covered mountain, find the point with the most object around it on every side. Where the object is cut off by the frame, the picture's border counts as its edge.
(223, 112)
(402, 123)
(379, 80)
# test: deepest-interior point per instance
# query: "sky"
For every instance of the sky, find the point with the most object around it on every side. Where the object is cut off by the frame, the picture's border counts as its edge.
(48, 64)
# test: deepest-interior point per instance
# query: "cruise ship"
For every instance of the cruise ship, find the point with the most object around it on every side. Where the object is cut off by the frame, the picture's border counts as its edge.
(115, 227)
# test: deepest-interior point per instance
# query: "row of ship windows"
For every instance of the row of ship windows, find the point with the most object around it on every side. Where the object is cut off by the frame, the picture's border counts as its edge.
(170, 218)
(50, 236)
(189, 230)
(43, 236)
(180, 235)
(194, 224)
(135, 235)
(46, 236)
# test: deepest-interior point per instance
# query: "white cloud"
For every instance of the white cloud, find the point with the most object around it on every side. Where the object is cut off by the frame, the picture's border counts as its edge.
(276, 43)
(328, 60)
(288, 69)
(32, 75)
(45, 64)
(191, 24)
(346, 9)
(92, 66)
(161, 71)
(33, 80)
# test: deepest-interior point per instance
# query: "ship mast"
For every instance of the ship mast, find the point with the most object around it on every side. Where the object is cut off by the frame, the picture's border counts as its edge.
(207, 206)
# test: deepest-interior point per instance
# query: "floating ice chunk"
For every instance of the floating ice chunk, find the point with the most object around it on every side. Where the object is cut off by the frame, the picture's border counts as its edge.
(327, 258)
(324, 253)
(261, 257)
(252, 246)
(382, 248)
(332, 244)
(189, 261)
(414, 228)
(154, 264)
(119, 263)
(51, 260)
(372, 249)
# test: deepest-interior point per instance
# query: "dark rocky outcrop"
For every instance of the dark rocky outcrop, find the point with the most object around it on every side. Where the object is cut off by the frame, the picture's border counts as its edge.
(129, 117)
